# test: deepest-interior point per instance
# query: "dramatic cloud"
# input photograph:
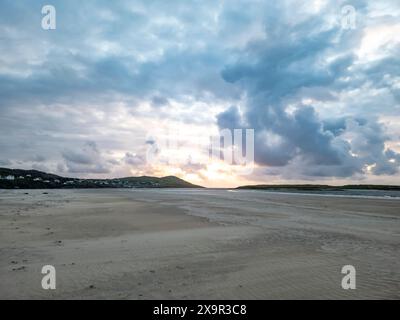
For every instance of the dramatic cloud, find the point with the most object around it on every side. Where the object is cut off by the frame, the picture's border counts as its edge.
(281, 74)
(89, 98)
(87, 160)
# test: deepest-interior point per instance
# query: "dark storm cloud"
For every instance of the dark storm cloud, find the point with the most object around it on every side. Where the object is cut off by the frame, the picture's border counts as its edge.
(230, 119)
(73, 62)
(87, 160)
(275, 72)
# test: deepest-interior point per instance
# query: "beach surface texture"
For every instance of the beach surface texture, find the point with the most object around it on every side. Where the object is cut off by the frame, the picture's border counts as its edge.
(197, 244)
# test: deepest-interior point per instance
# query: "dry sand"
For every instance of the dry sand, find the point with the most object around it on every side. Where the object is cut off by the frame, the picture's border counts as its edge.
(197, 244)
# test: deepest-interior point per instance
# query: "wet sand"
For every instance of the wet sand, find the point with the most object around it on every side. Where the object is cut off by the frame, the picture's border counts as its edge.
(197, 244)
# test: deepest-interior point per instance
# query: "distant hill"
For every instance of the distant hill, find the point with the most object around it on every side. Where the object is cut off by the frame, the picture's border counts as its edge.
(317, 187)
(33, 179)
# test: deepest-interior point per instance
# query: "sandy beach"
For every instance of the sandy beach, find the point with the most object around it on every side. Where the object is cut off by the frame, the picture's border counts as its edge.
(196, 244)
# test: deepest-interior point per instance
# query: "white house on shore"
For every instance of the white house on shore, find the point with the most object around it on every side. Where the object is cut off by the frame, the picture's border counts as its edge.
(10, 177)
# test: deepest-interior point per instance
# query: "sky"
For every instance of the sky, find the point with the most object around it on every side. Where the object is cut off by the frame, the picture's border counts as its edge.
(131, 88)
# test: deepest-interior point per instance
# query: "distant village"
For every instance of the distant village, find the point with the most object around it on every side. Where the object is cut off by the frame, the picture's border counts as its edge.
(32, 179)
(77, 183)
(28, 176)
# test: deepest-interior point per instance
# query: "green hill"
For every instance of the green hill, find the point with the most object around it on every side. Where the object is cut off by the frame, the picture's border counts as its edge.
(33, 179)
